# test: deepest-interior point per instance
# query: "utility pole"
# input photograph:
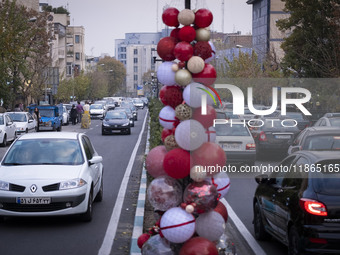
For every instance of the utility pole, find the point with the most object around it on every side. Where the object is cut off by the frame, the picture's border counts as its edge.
(187, 4)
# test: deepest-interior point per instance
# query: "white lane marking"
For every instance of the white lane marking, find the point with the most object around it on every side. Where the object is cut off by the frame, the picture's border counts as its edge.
(110, 234)
(243, 230)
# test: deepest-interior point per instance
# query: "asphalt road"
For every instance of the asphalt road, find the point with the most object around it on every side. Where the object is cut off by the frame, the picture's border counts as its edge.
(67, 235)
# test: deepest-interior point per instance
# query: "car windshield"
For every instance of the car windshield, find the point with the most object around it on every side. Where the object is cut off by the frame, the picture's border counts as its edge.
(96, 106)
(115, 115)
(127, 110)
(44, 152)
(322, 142)
(46, 113)
(17, 117)
(227, 130)
(335, 122)
(294, 115)
(68, 107)
(327, 181)
(1, 120)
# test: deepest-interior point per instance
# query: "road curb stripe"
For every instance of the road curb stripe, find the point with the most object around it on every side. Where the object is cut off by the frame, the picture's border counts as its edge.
(110, 234)
(257, 249)
(139, 216)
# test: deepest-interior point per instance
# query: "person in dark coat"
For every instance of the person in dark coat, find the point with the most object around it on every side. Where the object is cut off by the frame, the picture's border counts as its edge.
(74, 114)
(37, 117)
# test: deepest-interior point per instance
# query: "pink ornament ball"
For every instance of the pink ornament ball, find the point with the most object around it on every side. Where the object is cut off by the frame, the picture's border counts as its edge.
(170, 17)
(154, 161)
(165, 48)
(177, 163)
(177, 226)
(203, 18)
(187, 34)
(183, 51)
(167, 117)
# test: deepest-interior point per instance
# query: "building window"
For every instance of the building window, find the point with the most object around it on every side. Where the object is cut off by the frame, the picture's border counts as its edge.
(135, 51)
(77, 56)
(122, 49)
(135, 77)
(123, 56)
(135, 69)
(135, 60)
(77, 39)
(69, 69)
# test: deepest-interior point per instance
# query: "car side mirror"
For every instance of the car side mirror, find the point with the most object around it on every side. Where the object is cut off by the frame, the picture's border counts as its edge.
(9, 123)
(30, 121)
(262, 178)
(295, 149)
(95, 160)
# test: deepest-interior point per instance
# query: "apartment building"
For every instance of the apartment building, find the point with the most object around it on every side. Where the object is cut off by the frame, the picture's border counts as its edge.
(267, 38)
(31, 4)
(75, 55)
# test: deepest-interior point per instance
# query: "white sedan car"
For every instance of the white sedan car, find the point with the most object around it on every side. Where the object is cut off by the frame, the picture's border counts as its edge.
(7, 129)
(50, 174)
(24, 122)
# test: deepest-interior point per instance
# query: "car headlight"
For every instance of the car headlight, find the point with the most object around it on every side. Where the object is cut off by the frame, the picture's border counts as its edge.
(105, 124)
(126, 124)
(21, 129)
(72, 184)
(4, 185)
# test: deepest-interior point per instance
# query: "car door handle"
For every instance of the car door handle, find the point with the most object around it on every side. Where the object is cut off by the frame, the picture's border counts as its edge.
(279, 190)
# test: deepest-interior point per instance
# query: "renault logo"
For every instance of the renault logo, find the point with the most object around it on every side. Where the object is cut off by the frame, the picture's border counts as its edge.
(33, 188)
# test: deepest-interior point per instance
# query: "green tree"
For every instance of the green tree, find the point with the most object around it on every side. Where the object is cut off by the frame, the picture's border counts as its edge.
(98, 86)
(313, 47)
(115, 72)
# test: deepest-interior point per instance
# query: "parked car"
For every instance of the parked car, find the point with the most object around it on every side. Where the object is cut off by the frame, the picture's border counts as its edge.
(68, 107)
(7, 129)
(116, 122)
(97, 111)
(66, 116)
(316, 138)
(271, 136)
(237, 142)
(51, 174)
(301, 209)
(50, 116)
(329, 120)
(24, 122)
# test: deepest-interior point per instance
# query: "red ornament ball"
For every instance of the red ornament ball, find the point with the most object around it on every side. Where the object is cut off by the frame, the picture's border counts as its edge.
(183, 51)
(207, 76)
(203, 49)
(142, 239)
(221, 209)
(165, 48)
(166, 132)
(206, 120)
(187, 34)
(170, 17)
(177, 163)
(171, 95)
(203, 18)
(198, 246)
(210, 154)
(174, 33)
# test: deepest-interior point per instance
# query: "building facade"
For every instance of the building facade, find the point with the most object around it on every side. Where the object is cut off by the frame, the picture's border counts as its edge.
(75, 55)
(267, 38)
(31, 4)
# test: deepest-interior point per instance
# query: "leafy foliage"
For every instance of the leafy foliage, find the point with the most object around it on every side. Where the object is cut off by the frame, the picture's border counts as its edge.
(313, 47)
(155, 106)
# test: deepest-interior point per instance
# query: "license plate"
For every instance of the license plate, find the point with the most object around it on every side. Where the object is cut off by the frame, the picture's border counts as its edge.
(231, 146)
(116, 131)
(33, 200)
(282, 136)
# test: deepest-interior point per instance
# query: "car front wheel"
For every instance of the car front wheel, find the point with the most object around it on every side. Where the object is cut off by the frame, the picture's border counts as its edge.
(87, 216)
(100, 193)
(4, 142)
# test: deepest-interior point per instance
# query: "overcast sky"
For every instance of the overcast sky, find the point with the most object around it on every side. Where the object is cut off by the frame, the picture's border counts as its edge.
(107, 20)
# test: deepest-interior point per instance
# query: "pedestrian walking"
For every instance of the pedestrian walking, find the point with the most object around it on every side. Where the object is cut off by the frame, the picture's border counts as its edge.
(37, 117)
(80, 111)
(74, 114)
(86, 119)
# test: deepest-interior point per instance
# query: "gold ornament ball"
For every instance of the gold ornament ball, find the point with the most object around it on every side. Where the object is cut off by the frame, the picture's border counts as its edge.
(202, 34)
(196, 64)
(183, 77)
(170, 143)
(186, 17)
(174, 67)
(183, 112)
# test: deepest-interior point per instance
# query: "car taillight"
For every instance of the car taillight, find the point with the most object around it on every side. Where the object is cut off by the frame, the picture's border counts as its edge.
(318, 240)
(262, 136)
(313, 207)
(250, 146)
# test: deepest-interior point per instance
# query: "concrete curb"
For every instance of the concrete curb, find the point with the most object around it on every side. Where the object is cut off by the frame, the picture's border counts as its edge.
(139, 216)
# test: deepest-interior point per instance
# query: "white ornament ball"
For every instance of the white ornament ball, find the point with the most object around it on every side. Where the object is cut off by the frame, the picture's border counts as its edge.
(167, 117)
(189, 209)
(222, 181)
(186, 17)
(183, 77)
(210, 225)
(174, 67)
(192, 95)
(197, 173)
(195, 64)
(189, 135)
(177, 225)
(213, 53)
(165, 74)
(210, 134)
